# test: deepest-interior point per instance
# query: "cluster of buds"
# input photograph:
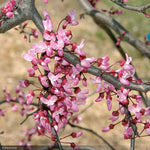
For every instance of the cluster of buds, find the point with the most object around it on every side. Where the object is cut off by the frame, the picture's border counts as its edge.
(8, 9)
(22, 28)
(112, 11)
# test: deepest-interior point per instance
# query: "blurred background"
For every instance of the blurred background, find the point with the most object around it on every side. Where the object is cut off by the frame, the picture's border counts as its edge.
(13, 68)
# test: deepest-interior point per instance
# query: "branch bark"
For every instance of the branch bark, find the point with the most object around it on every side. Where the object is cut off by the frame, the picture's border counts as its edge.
(101, 18)
(140, 9)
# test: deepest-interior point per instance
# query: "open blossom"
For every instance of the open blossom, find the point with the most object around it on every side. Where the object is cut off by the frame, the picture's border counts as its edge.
(50, 100)
(2, 112)
(115, 116)
(147, 126)
(48, 25)
(70, 19)
(45, 1)
(136, 108)
(103, 63)
(87, 62)
(127, 133)
(79, 50)
(30, 97)
(55, 79)
(122, 95)
(98, 81)
(127, 71)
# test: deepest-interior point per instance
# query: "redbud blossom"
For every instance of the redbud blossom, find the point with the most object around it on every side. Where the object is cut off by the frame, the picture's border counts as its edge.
(30, 97)
(9, 14)
(74, 135)
(2, 112)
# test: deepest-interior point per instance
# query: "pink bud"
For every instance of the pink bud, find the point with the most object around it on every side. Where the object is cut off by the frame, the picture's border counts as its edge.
(46, 1)
(124, 81)
(9, 14)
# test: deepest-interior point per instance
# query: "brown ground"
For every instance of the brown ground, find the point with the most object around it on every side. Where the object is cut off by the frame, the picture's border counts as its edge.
(13, 68)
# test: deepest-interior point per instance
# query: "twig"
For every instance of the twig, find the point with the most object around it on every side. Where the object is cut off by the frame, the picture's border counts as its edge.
(101, 18)
(132, 143)
(140, 9)
(93, 132)
(28, 115)
(4, 101)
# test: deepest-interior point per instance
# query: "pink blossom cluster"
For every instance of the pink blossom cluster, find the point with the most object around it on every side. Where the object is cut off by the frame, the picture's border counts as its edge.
(8, 9)
(129, 105)
(59, 89)
(112, 11)
(18, 98)
(27, 35)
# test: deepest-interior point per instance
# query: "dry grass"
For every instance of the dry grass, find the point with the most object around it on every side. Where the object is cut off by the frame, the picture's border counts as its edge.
(13, 68)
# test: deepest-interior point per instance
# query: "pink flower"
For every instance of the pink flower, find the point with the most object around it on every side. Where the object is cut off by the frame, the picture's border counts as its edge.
(106, 129)
(47, 23)
(68, 88)
(124, 81)
(81, 94)
(14, 107)
(127, 133)
(103, 63)
(147, 127)
(31, 72)
(9, 14)
(61, 35)
(30, 55)
(55, 79)
(98, 81)
(2, 112)
(70, 19)
(108, 87)
(87, 62)
(74, 135)
(78, 50)
(136, 108)
(115, 116)
(46, 1)
(30, 97)
(109, 103)
(100, 97)
(122, 95)
(50, 100)
(43, 80)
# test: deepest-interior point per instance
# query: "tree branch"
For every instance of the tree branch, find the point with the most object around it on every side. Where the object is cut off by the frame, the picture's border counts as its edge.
(108, 21)
(140, 9)
(143, 87)
(57, 141)
(25, 11)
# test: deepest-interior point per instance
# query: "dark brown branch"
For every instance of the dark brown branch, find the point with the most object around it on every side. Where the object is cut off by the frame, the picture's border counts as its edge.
(93, 132)
(140, 9)
(101, 18)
